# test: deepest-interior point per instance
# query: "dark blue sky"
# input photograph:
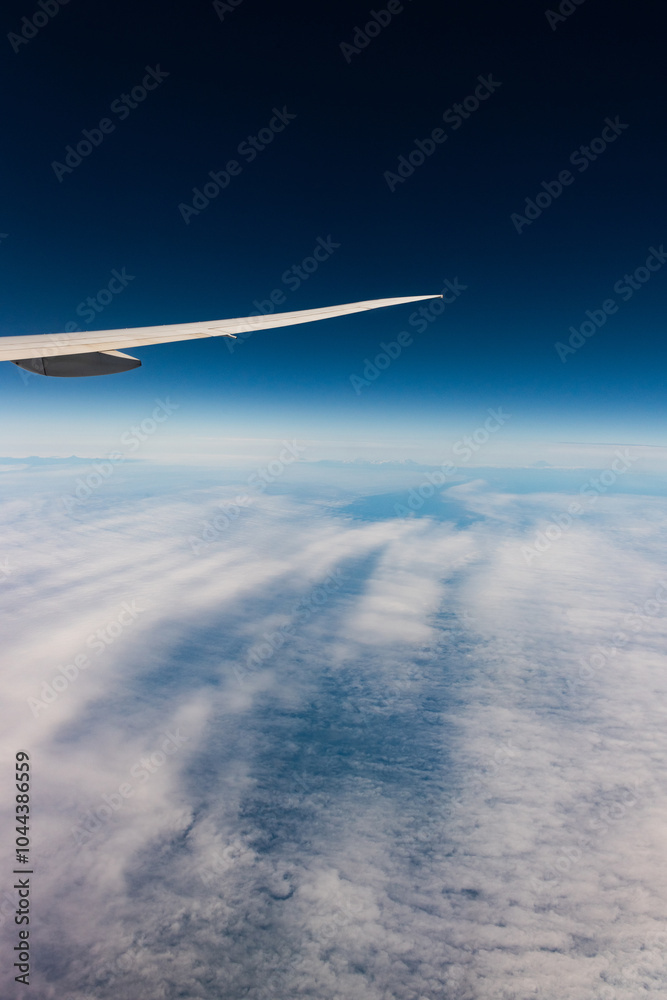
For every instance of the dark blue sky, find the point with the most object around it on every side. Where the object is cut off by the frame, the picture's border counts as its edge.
(330, 173)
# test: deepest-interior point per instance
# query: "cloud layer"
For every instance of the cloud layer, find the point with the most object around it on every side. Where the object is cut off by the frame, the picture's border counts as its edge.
(314, 755)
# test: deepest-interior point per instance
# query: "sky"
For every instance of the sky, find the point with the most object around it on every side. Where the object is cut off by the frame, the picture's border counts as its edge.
(353, 117)
(337, 653)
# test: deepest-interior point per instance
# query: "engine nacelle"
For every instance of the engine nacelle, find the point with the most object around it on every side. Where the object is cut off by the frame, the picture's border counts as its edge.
(80, 365)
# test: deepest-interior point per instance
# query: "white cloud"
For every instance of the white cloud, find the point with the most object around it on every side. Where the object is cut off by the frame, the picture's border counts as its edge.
(447, 780)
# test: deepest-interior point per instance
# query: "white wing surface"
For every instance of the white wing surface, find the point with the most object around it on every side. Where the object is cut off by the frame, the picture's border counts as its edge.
(95, 352)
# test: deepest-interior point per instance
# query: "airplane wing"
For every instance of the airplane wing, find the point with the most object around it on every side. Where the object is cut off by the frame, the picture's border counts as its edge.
(96, 352)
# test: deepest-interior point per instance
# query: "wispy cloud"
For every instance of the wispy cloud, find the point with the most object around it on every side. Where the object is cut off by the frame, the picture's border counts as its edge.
(418, 795)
